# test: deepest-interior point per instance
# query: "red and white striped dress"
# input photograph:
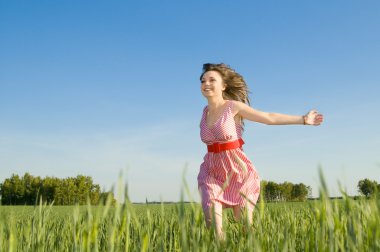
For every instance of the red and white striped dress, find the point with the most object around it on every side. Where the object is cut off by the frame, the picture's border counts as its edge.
(228, 176)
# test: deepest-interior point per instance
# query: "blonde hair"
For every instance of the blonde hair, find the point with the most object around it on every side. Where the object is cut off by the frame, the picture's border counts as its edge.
(236, 88)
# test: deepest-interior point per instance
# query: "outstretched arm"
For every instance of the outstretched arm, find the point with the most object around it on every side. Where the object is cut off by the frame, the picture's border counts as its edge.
(249, 113)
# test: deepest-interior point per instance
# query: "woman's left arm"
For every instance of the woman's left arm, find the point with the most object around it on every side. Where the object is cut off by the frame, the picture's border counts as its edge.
(269, 118)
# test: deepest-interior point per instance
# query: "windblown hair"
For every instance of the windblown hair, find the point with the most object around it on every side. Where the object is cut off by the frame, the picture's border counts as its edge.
(236, 88)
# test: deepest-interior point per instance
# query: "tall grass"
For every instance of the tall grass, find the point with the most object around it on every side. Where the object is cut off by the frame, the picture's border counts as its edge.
(320, 225)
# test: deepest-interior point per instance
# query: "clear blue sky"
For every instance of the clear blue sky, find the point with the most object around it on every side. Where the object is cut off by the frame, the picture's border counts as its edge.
(99, 87)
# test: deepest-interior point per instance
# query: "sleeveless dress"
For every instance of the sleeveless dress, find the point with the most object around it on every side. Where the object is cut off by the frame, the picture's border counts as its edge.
(228, 177)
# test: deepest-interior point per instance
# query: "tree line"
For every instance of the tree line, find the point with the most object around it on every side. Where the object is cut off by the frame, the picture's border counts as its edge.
(28, 189)
(286, 191)
(299, 192)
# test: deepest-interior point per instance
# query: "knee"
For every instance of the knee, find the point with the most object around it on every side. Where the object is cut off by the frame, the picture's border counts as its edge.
(217, 208)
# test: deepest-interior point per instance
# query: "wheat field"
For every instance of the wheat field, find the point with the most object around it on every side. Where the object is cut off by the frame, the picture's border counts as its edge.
(318, 225)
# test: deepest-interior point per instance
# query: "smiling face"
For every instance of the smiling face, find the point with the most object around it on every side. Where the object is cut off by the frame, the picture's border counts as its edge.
(212, 84)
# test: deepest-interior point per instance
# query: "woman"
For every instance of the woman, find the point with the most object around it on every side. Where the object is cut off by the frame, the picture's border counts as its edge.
(227, 178)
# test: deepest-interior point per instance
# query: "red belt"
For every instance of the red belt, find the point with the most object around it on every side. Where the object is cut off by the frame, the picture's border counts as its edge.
(218, 147)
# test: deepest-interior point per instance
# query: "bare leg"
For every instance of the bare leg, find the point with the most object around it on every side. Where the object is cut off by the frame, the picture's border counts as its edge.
(208, 216)
(215, 213)
(218, 216)
(249, 207)
(237, 212)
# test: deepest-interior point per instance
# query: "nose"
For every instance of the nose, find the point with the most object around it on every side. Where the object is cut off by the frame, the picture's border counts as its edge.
(206, 83)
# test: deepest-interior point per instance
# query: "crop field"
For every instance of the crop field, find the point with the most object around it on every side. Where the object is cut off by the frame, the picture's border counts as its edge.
(320, 225)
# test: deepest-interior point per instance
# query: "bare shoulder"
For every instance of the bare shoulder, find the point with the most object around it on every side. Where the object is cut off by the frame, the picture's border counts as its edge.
(247, 112)
(237, 106)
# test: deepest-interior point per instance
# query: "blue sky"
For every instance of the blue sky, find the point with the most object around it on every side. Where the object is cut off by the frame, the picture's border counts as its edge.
(99, 87)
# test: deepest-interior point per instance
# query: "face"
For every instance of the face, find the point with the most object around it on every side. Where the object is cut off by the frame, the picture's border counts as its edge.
(212, 84)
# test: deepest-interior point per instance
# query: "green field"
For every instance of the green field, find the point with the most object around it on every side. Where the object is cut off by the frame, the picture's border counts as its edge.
(323, 225)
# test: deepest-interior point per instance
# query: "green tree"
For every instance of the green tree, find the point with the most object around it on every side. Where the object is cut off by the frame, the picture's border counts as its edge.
(300, 192)
(49, 185)
(272, 191)
(72, 191)
(286, 191)
(68, 191)
(6, 193)
(368, 187)
(31, 185)
(12, 191)
(95, 194)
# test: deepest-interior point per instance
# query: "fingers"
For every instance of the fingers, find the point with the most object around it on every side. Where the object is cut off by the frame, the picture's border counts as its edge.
(315, 117)
(313, 112)
(318, 119)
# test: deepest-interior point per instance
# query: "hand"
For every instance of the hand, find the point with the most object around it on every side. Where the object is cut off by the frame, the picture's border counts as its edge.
(313, 118)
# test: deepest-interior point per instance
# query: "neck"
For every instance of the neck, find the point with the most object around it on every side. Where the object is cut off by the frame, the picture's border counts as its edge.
(215, 102)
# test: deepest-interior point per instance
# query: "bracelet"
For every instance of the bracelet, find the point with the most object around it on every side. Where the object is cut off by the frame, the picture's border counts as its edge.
(304, 119)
